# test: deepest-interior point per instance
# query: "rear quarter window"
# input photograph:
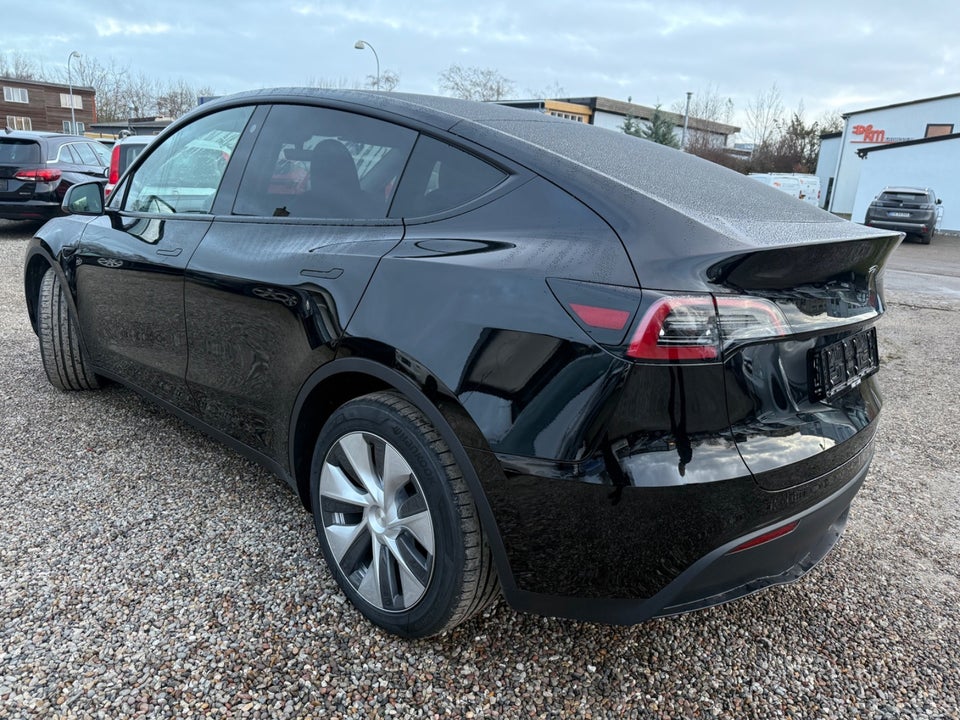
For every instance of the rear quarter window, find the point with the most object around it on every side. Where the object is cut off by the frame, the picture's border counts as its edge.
(440, 177)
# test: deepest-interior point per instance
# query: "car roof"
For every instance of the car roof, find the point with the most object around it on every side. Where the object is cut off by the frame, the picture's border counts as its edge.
(622, 177)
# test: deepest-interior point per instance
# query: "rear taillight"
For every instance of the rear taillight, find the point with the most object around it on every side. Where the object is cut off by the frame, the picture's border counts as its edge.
(677, 328)
(114, 166)
(45, 175)
(656, 326)
(696, 327)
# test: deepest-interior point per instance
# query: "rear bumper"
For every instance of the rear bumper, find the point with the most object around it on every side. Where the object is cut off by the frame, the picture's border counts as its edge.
(911, 227)
(819, 507)
(29, 210)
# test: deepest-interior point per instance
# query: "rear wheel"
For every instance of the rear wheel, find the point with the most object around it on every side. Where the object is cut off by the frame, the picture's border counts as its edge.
(60, 350)
(925, 239)
(396, 521)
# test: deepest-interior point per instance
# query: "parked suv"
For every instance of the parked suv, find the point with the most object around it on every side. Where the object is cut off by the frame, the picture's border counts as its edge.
(124, 152)
(36, 168)
(470, 340)
(910, 210)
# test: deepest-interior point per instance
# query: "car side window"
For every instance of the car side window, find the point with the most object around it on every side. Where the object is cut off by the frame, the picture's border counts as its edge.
(183, 173)
(66, 155)
(85, 153)
(441, 177)
(311, 162)
(101, 153)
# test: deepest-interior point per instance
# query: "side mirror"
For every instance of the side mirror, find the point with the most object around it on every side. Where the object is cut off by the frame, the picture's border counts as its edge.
(938, 201)
(83, 199)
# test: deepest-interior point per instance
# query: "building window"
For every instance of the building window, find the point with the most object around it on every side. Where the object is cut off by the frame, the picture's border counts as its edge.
(938, 129)
(79, 131)
(65, 101)
(17, 95)
(565, 116)
(19, 123)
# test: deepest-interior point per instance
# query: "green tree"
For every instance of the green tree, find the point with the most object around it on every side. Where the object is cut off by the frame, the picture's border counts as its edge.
(661, 129)
(632, 126)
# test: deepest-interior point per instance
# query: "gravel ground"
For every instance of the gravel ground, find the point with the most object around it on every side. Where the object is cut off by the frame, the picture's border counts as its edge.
(146, 571)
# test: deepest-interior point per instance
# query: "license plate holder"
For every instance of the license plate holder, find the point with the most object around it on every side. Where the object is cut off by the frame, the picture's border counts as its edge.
(896, 213)
(843, 365)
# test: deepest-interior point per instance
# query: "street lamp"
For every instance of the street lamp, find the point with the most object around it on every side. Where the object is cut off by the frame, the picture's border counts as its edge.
(686, 120)
(360, 45)
(73, 116)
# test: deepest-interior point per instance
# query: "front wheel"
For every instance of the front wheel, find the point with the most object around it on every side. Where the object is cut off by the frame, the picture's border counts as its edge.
(396, 521)
(60, 350)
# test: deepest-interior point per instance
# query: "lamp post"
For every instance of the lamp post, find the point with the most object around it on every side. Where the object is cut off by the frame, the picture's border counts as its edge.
(686, 119)
(360, 45)
(73, 116)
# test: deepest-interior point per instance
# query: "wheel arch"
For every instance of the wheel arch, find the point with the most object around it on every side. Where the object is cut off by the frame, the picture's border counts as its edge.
(39, 259)
(347, 378)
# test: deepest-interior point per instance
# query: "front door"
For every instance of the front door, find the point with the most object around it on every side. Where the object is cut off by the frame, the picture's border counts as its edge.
(131, 261)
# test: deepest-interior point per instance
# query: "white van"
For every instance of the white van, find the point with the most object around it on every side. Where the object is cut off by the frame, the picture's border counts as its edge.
(799, 185)
(782, 182)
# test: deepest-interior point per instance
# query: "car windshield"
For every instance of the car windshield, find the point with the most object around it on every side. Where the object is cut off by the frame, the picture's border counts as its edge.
(19, 152)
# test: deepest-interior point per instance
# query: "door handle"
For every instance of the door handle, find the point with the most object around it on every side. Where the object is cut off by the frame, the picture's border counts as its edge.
(172, 252)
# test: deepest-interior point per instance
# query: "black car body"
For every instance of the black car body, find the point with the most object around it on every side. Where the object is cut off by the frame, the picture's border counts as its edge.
(909, 210)
(36, 168)
(649, 381)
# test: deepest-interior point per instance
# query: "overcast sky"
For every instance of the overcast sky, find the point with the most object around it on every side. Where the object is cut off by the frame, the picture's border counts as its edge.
(831, 54)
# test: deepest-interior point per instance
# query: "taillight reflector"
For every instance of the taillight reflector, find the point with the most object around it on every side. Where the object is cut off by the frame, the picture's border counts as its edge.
(38, 175)
(766, 537)
(601, 317)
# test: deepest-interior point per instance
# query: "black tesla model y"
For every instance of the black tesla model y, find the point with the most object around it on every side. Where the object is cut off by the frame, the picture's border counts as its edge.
(491, 350)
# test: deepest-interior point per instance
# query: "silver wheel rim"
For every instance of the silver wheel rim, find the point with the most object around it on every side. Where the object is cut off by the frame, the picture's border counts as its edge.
(376, 521)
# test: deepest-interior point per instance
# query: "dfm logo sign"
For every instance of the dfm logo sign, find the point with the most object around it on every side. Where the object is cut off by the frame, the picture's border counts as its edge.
(869, 134)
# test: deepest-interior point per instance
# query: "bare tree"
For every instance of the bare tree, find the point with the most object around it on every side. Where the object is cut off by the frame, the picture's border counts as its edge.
(831, 121)
(18, 66)
(179, 97)
(707, 104)
(474, 83)
(340, 83)
(764, 115)
(108, 80)
(552, 91)
(388, 81)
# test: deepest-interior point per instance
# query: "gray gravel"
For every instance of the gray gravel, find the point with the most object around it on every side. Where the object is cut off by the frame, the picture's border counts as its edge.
(147, 571)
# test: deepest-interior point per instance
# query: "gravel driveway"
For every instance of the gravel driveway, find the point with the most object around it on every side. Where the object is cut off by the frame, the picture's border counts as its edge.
(147, 571)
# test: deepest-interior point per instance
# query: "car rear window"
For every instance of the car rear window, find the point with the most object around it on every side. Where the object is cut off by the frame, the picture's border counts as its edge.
(19, 152)
(905, 197)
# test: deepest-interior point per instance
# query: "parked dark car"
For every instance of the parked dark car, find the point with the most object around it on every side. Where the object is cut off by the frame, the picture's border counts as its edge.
(488, 348)
(36, 168)
(909, 210)
(122, 154)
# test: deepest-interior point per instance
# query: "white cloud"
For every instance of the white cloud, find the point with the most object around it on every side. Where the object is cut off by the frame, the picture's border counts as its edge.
(112, 26)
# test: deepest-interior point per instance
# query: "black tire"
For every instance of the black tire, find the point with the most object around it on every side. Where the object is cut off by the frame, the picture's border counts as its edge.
(925, 239)
(60, 348)
(448, 586)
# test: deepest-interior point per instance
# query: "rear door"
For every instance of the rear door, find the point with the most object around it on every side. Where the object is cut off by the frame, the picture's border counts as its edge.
(284, 265)
(131, 261)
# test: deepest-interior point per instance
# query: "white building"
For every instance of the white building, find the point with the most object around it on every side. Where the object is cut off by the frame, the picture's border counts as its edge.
(611, 114)
(842, 169)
